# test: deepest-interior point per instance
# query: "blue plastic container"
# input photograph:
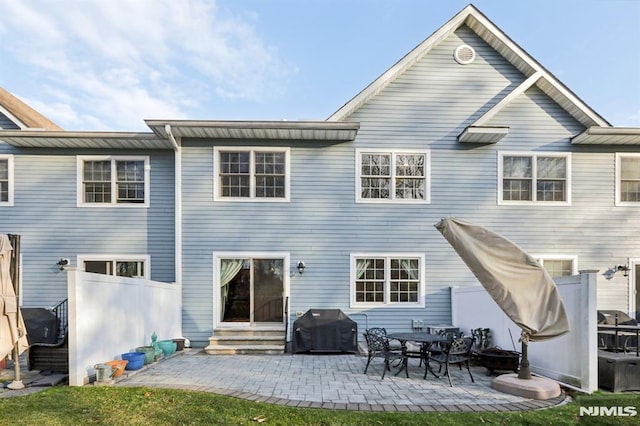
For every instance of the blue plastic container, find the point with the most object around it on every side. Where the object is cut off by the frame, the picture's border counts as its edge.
(136, 360)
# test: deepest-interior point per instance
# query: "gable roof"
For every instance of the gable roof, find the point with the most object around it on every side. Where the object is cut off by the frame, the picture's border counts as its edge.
(38, 131)
(534, 72)
(22, 114)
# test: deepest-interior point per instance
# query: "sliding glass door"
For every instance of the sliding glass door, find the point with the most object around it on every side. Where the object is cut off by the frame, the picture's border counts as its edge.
(251, 290)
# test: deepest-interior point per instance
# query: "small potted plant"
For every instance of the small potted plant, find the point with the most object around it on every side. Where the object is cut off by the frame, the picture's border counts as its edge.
(483, 338)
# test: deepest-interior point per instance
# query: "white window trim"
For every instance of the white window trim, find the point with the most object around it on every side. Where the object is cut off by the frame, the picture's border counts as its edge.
(252, 197)
(217, 259)
(534, 155)
(352, 281)
(116, 258)
(540, 258)
(393, 152)
(113, 158)
(619, 156)
(9, 202)
(632, 262)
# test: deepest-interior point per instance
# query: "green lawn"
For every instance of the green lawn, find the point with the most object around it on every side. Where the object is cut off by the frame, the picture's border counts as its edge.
(105, 405)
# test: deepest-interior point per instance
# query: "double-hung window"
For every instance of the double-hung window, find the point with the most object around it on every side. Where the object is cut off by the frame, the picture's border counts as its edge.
(628, 179)
(387, 280)
(534, 178)
(6, 180)
(256, 174)
(113, 181)
(396, 176)
(558, 265)
(120, 266)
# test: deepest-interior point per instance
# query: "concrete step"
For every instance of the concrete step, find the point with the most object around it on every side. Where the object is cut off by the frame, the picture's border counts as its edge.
(279, 331)
(216, 349)
(246, 340)
(255, 340)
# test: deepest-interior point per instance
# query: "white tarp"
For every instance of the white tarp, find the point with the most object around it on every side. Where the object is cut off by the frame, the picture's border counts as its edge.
(12, 328)
(521, 287)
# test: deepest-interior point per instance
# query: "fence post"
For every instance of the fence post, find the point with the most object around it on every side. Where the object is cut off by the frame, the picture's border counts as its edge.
(589, 333)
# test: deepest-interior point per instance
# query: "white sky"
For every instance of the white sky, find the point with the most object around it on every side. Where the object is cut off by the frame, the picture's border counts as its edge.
(110, 64)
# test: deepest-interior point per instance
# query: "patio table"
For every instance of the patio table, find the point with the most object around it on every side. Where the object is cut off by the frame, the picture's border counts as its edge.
(425, 340)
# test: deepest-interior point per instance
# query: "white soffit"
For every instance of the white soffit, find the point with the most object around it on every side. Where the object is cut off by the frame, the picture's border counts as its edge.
(252, 130)
(90, 140)
(608, 136)
(483, 134)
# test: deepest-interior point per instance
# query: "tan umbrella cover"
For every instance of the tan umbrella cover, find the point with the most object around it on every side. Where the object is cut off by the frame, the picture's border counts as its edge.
(521, 287)
(12, 328)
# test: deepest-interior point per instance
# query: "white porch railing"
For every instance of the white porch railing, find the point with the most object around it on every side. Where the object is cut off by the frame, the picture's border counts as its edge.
(111, 315)
(571, 359)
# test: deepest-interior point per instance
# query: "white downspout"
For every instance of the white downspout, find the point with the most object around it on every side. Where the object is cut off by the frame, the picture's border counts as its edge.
(178, 203)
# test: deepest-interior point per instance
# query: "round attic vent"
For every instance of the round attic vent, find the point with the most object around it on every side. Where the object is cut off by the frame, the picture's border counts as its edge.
(464, 54)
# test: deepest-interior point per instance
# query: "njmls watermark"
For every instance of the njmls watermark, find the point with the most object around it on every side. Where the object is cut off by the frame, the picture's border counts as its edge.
(628, 411)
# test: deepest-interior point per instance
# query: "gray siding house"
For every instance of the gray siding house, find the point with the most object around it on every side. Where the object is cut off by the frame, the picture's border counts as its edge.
(261, 221)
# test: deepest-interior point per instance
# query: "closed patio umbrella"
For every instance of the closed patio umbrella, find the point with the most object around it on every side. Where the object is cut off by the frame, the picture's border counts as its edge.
(520, 286)
(13, 333)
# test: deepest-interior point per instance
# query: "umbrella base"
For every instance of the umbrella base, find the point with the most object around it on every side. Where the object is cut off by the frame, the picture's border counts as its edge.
(16, 385)
(534, 388)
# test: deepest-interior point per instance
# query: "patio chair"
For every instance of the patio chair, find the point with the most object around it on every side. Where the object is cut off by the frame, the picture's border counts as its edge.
(378, 346)
(456, 352)
(439, 348)
(413, 350)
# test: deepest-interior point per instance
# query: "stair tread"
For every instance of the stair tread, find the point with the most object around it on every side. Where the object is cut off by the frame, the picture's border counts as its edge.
(244, 349)
(248, 330)
(259, 347)
(243, 337)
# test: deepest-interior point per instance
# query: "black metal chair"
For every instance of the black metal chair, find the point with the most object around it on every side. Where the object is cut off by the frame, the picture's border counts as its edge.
(457, 351)
(415, 351)
(378, 346)
(439, 348)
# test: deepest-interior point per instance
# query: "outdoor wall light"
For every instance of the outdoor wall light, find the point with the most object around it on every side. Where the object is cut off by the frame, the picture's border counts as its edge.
(301, 267)
(62, 263)
(609, 273)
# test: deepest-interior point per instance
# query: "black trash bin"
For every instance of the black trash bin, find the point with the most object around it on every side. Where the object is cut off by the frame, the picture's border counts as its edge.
(325, 330)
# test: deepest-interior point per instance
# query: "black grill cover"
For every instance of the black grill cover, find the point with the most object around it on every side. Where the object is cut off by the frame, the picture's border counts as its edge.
(42, 325)
(325, 330)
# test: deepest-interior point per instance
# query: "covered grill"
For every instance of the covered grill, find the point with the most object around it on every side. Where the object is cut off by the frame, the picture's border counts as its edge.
(42, 325)
(325, 330)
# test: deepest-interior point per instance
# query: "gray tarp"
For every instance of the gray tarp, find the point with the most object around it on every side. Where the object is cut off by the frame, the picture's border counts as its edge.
(520, 286)
(12, 328)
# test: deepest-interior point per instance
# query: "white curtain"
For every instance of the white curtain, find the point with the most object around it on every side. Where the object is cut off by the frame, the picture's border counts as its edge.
(229, 268)
(361, 267)
(408, 266)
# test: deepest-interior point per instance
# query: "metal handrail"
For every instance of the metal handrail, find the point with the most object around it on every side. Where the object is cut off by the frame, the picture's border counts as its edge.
(61, 310)
(286, 322)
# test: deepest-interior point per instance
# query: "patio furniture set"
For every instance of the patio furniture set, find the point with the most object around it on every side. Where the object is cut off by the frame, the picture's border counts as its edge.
(445, 349)
(618, 351)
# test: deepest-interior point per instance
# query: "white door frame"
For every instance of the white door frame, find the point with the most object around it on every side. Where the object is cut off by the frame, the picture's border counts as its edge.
(218, 256)
(633, 262)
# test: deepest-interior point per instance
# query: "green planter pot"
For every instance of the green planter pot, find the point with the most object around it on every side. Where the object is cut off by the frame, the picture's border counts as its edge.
(149, 353)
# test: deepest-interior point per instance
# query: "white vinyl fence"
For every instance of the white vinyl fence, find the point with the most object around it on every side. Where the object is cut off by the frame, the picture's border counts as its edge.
(571, 359)
(111, 315)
